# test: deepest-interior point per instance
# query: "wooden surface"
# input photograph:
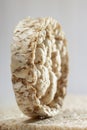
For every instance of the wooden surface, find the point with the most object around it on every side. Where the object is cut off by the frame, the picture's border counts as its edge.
(73, 116)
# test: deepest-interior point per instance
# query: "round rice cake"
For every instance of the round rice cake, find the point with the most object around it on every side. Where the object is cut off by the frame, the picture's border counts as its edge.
(39, 66)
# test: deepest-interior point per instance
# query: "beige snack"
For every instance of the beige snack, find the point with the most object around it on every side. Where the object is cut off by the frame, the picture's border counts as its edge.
(39, 66)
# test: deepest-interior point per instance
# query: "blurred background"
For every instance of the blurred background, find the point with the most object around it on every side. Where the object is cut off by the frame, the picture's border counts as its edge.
(71, 14)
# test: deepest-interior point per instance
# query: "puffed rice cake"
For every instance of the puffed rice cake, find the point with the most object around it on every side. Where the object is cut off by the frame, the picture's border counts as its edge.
(39, 66)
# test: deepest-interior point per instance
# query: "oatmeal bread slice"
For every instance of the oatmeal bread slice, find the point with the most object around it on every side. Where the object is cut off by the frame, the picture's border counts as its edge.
(39, 66)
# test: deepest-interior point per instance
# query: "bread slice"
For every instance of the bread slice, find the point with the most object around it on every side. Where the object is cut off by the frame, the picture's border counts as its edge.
(73, 116)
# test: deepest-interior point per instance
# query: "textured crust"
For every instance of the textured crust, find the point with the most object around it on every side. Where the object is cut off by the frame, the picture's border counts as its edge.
(39, 66)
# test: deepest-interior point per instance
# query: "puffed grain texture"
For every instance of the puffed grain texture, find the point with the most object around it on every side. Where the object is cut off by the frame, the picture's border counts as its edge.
(39, 66)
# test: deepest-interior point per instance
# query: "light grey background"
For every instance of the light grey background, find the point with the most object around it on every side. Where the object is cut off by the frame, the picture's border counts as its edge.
(72, 15)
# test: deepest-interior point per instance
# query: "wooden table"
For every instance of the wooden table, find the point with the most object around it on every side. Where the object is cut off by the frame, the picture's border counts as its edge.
(73, 116)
